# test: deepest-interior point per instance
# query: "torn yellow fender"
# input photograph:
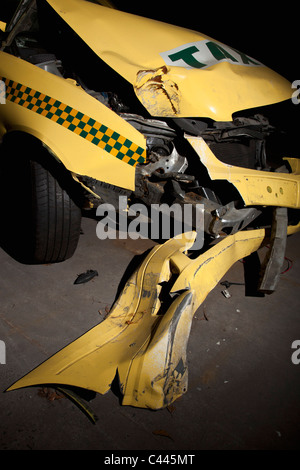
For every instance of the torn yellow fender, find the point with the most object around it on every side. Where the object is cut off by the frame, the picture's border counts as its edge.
(144, 338)
(259, 188)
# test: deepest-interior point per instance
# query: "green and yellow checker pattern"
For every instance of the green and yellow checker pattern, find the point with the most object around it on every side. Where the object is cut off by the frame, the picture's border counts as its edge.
(86, 127)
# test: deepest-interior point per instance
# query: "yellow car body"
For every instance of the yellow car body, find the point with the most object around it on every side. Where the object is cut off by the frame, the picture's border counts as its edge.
(215, 91)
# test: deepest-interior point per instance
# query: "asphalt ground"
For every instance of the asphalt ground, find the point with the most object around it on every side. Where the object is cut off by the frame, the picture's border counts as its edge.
(243, 391)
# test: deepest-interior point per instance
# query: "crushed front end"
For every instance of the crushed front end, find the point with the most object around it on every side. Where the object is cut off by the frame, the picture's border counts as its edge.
(216, 131)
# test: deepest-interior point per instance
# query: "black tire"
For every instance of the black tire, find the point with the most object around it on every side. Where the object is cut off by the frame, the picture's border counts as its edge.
(40, 222)
(56, 218)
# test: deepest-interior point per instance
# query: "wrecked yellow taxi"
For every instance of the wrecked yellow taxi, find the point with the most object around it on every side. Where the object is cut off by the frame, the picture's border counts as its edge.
(96, 104)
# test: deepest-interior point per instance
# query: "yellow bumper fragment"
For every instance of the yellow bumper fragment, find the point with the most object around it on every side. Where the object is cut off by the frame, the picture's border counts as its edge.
(260, 188)
(145, 336)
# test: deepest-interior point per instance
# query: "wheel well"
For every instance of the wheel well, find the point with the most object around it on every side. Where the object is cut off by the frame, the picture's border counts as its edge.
(21, 145)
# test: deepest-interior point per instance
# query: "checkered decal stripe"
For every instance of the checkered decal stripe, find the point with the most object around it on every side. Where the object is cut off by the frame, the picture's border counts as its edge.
(75, 121)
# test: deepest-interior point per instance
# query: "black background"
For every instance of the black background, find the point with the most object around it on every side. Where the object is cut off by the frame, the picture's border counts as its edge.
(267, 31)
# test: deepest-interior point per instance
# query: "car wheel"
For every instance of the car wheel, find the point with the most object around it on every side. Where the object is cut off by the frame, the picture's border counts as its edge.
(56, 219)
(40, 219)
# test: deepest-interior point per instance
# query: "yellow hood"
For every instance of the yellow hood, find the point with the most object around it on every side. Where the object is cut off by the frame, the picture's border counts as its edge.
(175, 72)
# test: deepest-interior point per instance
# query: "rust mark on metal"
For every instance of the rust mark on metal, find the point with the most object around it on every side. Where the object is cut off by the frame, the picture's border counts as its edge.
(159, 94)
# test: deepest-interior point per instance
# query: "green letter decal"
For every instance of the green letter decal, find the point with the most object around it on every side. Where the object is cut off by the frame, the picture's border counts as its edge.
(187, 56)
(219, 52)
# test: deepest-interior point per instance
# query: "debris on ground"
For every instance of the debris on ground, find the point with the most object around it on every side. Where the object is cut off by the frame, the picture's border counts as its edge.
(85, 277)
(163, 433)
(49, 394)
